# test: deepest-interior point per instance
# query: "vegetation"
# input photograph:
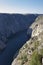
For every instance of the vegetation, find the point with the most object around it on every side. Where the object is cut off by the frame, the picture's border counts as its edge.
(41, 51)
(35, 60)
(26, 45)
(24, 59)
(36, 44)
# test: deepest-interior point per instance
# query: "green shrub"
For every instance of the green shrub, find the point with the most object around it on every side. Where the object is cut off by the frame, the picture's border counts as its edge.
(36, 44)
(24, 59)
(41, 51)
(35, 60)
(26, 45)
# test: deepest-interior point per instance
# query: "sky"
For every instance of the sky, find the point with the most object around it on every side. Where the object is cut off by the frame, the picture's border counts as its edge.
(21, 6)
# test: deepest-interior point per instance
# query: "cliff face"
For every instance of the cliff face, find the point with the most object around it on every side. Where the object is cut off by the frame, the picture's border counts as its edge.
(38, 26)
(13, 23)
(35, 44)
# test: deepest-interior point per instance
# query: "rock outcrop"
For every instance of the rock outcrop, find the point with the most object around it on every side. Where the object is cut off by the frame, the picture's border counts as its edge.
(37, 26)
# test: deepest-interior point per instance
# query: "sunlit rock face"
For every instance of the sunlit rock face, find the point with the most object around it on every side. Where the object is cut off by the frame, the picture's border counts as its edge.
(37, 30)
(37, 26)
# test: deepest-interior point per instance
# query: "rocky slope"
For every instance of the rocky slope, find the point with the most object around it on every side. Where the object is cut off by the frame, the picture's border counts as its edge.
(24, 55)
(13, 23)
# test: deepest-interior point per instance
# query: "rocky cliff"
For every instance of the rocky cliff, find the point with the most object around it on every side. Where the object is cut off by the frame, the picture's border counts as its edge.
(34, 45)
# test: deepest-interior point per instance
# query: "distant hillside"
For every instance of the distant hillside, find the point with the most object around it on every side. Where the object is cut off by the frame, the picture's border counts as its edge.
(13, 23)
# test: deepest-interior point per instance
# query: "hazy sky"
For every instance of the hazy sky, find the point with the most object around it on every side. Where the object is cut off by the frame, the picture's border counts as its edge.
(21, 6)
